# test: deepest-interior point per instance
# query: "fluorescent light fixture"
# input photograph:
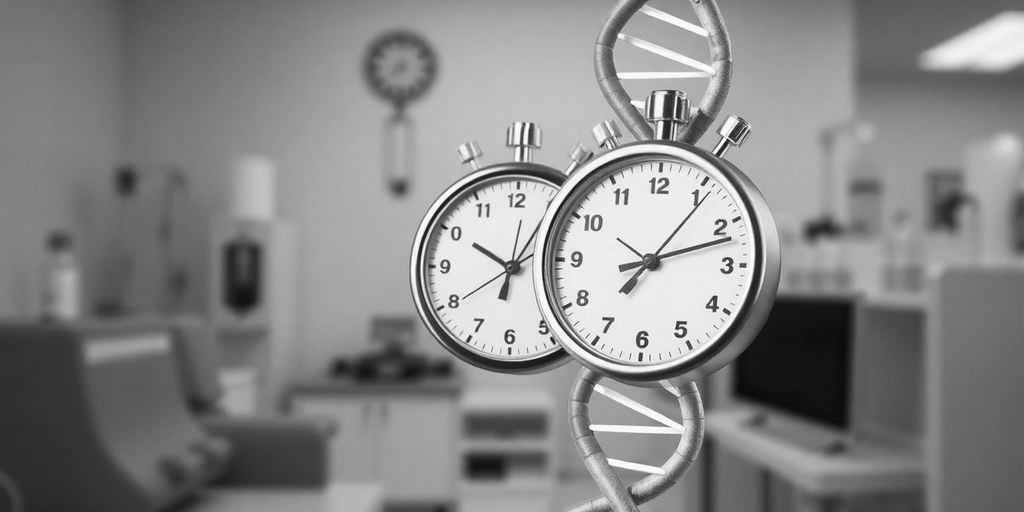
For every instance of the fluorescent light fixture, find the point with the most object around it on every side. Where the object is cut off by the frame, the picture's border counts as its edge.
(993, 46)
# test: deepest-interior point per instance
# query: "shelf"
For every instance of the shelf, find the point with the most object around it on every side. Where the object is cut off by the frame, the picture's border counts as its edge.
(542, 446)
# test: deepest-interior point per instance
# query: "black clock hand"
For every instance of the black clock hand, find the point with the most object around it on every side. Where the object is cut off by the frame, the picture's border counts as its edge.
(515, 246)
(681, 224)
(503, 293)
(527, 244)
(489, 281)
(629, 266)
(511, 270)
(489, 254)
(631, 249)
(631, 282)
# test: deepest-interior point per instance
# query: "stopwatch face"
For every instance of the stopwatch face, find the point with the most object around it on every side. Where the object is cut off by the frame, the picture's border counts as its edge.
(655, 261)
(472, 269)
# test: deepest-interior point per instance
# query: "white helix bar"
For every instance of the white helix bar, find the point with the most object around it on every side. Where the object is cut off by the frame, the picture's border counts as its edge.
(617, 497)
(719, 71)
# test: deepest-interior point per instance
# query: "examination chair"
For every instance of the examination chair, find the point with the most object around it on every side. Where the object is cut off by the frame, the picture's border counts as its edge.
(93, 419)
(269, 451)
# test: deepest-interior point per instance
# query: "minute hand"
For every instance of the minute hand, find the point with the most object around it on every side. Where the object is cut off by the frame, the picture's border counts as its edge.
(628, 266)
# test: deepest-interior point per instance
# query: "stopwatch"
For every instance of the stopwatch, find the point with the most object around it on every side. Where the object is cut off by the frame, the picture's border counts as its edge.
(472, 257)
(658, 259)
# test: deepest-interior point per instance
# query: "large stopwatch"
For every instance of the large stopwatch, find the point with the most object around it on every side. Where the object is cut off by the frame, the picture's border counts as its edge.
(657, 259)
(472, 260)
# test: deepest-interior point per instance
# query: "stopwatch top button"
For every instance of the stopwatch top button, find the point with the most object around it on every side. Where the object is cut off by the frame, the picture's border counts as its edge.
(607, 134)
(470, 153)
(734, 132)
(523, 135)
(735, 129)
(667, 105)
(579, 155)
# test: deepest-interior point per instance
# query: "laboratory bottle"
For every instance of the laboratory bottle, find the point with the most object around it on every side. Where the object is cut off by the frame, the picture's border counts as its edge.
(61, 294)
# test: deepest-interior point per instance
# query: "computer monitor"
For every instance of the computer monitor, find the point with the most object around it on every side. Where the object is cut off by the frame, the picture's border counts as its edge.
(801, 362)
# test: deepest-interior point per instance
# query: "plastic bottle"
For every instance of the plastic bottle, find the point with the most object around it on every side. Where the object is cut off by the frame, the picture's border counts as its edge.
(62, 299)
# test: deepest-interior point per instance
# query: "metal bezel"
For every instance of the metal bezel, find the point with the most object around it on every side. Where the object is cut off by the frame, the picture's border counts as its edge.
(751, 315)
(427, 314)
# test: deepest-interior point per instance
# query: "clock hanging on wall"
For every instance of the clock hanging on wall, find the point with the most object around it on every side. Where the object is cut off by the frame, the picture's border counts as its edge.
(400, 66)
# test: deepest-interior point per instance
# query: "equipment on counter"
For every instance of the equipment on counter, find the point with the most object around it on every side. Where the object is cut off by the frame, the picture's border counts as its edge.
(171, 234)
(470, 260)
(400, 66)
(62, 280)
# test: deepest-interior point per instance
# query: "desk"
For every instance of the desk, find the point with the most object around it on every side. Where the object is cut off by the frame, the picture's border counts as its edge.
(821, 480)
(339, 497)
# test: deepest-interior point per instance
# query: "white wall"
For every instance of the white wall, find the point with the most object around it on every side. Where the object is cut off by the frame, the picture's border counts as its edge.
(926, 121)
(59, 130)
(207, 80)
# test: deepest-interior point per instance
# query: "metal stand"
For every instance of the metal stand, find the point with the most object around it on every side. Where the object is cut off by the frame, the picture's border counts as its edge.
(617, 497)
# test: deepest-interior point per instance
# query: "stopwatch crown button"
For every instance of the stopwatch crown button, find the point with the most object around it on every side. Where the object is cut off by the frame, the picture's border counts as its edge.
(668, 110)
(523, 138)
(668, 105)
(607, 134)
(579, 155)
(470, 153)
(734, 132)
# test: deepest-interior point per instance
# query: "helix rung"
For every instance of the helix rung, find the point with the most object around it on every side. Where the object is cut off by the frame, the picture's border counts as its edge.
(661, 75)
(636, 429)
(633, 466)
(661, 51)
(638, 407)
(672, 20)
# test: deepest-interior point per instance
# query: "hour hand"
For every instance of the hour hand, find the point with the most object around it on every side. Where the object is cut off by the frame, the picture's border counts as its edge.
(489, 254)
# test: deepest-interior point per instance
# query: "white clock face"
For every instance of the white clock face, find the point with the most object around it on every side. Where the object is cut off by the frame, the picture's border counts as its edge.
(652, 262)
(479, 276)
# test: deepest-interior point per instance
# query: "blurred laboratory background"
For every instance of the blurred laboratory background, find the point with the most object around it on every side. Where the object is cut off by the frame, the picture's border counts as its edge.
(207, 207)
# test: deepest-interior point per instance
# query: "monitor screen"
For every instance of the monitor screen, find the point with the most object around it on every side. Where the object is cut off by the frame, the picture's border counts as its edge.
(800, 363)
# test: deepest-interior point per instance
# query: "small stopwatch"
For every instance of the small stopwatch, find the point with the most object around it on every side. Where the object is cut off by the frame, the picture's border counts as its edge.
(658, 259)
(471, 269)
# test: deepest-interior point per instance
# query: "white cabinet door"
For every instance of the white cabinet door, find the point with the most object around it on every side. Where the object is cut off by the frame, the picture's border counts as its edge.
(353, 447)
(418, 448)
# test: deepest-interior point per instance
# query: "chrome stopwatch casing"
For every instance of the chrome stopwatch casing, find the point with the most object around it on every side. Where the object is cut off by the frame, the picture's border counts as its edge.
(743, 321)
(506, 335)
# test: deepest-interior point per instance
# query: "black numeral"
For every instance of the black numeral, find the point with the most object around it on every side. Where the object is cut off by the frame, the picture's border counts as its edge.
(456, 233)
(659, 185)
(593, 222)
(510, 336)
(446, 266)
(728, 264)
(681, 329)
(576, 259)
(483, 210)
(696, 198)
(720, 226)
(712, 304)
(479, 324)
(608, 321)
(517, 200)
(622, 196)
(543, 328)
(642, 339)
(582, 298)
(453, 301)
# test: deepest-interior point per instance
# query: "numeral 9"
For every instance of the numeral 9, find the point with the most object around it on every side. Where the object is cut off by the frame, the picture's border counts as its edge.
(576, 259)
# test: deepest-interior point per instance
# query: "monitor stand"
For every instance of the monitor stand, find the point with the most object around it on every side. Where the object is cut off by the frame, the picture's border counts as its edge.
(801, 434)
